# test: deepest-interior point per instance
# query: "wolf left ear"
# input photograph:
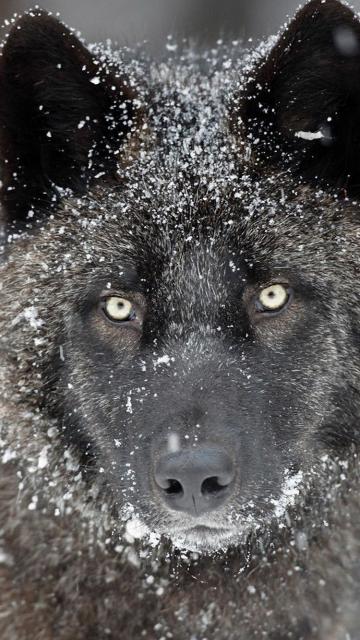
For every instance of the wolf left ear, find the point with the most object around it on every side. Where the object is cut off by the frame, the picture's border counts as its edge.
(304, 101)
(64, 117)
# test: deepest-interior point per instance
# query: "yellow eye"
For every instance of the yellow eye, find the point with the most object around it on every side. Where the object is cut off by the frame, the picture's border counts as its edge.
(119, 309)
(273, 298)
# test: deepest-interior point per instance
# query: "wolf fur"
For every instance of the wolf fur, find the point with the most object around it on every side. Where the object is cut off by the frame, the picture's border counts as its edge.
(185, 184)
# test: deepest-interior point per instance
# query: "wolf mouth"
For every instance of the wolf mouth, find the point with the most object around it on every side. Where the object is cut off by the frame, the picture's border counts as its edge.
(190, 536)
(205, 529)
(203, 538)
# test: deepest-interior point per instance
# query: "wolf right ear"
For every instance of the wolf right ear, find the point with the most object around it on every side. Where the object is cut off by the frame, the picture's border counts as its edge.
(303, 102)
(63, 117)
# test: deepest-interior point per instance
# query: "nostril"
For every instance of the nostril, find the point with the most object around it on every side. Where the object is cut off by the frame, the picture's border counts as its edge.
(212, 486)
(174, 488)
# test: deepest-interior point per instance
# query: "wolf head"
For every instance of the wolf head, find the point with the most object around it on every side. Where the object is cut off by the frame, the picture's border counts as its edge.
(181, 285)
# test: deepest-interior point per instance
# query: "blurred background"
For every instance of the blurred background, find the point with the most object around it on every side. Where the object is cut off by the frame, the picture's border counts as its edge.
(132, 21)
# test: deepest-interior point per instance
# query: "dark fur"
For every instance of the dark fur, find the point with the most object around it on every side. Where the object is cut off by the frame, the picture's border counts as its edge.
(188, 192)
(305, 81)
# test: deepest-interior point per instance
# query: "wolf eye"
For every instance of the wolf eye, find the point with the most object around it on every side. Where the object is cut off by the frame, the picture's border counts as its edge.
(118, 309)
(273, 298)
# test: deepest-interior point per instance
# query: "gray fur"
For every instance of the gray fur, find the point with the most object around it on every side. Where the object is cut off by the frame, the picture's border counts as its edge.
(69, 570)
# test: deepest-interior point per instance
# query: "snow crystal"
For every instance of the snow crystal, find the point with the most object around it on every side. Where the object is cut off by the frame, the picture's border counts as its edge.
(32, 315)
(52, 432)
(309, 135)
(135, 529)
(162, 360)
(301, 540)
(8, 455)
(6, 558)
(129, 408)
(171, 46)
(133, 558)
(33, 504)
(43, 459)
(173, 443)
(289, 491)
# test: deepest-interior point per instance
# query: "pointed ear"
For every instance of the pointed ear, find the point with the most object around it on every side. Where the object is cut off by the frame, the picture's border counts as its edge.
(303, 105)
(64, 116)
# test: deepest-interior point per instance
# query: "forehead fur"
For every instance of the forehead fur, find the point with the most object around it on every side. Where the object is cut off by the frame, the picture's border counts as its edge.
(192, 178)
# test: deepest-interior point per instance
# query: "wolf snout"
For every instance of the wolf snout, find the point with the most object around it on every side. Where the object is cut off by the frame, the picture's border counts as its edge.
(195, 482)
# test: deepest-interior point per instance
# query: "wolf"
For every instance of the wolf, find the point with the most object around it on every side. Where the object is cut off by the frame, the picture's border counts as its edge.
(179, 331)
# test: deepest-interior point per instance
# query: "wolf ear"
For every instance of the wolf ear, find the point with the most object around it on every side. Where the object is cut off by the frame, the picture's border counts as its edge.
(63, 116)
(304, 100)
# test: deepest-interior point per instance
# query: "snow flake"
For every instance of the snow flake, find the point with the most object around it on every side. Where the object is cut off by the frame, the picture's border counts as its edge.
(309, 135)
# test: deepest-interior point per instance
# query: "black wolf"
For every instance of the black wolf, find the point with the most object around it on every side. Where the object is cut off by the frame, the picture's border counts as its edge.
(180, 336)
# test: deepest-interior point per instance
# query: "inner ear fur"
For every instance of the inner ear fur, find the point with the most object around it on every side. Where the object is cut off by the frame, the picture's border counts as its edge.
(64, 116)
(303, 103)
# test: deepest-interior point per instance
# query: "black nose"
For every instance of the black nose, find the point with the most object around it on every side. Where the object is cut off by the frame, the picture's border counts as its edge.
(195, 481)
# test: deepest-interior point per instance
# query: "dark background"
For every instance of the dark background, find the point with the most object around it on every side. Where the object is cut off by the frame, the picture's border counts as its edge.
(132, 21)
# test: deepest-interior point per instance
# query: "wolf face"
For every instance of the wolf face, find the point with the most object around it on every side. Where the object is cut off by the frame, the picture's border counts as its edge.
(183, 266)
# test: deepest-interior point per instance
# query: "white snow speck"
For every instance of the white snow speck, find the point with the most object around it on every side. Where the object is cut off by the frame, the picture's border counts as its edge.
(173, 444)
(135, 529)
(289, 492)
(33, 503)
(162, 360)
(129, 408)
(6, 558)
(31, 314)
(309, 135)
(8, 455)
(171, 46)
(133, 558)
(52, 432)
(43, 459)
